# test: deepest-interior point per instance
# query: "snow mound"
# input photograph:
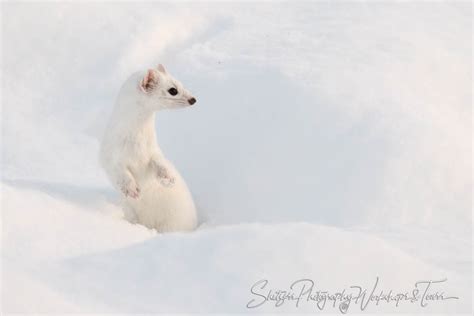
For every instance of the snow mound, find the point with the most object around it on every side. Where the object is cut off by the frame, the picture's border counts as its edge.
(65, 257)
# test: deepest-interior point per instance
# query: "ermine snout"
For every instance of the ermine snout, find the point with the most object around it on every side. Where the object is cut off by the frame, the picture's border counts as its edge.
(191, 101)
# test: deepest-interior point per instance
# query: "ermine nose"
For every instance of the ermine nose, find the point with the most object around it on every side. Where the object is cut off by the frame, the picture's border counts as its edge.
(192, 101)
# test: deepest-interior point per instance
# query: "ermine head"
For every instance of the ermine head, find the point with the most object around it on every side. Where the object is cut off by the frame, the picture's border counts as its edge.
(162, 91)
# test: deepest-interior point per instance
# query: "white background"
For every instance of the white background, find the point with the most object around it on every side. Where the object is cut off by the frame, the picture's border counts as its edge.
(330, 140)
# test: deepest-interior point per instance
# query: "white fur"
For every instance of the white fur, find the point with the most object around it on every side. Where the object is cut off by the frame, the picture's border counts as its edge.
(151, 187)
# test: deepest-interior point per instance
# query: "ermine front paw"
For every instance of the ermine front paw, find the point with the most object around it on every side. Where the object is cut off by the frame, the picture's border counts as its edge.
(131, 191)
(167, 182)
(165, 178)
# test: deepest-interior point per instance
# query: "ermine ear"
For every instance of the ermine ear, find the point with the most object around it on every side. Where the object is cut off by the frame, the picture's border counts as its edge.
(149, 82)
(161, 68)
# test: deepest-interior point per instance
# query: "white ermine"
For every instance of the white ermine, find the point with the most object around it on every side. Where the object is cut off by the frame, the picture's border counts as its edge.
(152, 188)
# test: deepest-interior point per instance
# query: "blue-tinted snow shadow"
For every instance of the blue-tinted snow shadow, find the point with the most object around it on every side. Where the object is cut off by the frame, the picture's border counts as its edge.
(259, 147)
(80, 195)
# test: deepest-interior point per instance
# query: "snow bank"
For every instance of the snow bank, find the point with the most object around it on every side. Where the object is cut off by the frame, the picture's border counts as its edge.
(64, 257)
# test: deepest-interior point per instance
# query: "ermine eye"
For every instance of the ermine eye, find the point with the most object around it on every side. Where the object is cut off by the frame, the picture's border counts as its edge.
(173, 91)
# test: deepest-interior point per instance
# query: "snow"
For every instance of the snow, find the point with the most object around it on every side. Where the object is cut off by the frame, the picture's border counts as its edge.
(330, 141)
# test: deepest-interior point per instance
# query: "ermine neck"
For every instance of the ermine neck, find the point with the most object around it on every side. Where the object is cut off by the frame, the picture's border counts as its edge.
(133, 117)
(143, 122)
(141, 129)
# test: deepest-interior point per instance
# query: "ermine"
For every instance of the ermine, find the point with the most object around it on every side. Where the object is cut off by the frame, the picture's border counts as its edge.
(152, 189)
